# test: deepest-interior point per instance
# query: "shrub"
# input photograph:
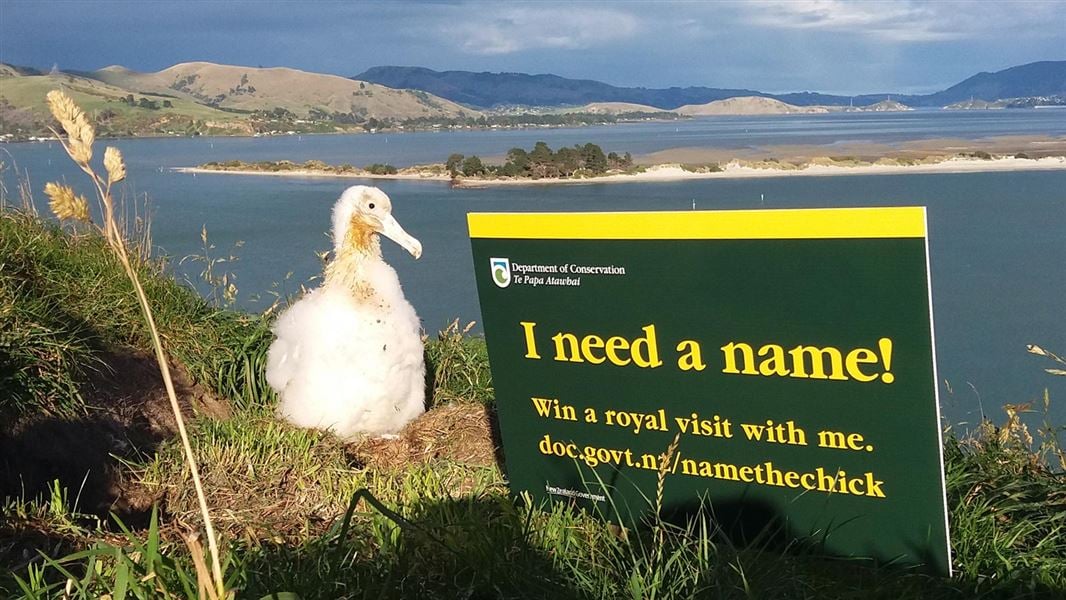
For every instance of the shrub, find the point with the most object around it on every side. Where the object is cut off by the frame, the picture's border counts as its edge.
(381, 169)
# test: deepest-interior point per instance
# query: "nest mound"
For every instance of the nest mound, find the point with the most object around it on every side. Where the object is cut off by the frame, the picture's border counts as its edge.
(266, 479)
(461, 432)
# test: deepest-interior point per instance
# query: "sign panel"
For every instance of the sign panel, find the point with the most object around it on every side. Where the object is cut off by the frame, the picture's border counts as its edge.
(776, 366)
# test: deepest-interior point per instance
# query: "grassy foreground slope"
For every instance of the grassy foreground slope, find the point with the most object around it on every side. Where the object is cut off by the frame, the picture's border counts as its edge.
(424, 516)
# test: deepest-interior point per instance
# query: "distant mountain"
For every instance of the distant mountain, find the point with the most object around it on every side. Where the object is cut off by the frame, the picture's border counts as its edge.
(1047, 78)
(497, 89)
(300, 92)
(487, 90)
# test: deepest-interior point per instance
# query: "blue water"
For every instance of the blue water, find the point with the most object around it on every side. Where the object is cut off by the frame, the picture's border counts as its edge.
(997, 240)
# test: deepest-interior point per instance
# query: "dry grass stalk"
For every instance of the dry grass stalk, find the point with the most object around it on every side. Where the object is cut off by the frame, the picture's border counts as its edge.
(1014, 430)
(1034, 349)
(22, 185)
(665, 466)
(78, 145)
(192, 542)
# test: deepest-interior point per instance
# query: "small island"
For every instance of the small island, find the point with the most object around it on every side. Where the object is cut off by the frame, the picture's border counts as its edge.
(588, 163)
(541, 163)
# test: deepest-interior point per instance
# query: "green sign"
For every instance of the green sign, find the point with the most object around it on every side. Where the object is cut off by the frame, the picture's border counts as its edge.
(775, 366)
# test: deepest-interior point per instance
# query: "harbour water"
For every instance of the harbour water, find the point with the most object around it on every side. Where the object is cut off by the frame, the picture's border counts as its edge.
(997, 240)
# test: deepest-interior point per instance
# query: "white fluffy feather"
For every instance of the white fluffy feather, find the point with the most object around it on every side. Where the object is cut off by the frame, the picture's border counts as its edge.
(348, 355)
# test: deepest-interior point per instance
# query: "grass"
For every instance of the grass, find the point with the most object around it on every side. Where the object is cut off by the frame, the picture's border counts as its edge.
(304, 514)
(1010, 508)
(459, 367)
(66, 306)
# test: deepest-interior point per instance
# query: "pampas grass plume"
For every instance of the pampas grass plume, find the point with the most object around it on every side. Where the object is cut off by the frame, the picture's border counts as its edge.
(116, 168)
(80, 133)
(65, 204)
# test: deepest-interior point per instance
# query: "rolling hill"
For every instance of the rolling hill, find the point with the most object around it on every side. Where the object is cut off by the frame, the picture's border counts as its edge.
(747, 105)
(115, 110)
(614, 108)
(299, 92)
(210, 99)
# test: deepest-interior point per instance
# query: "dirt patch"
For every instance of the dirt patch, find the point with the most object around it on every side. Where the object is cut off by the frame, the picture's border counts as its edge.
(460, 431)
(130, 416)
(133, 391)
(22, 540)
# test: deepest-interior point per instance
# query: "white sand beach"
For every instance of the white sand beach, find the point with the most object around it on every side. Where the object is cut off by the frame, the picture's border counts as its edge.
(734, 169)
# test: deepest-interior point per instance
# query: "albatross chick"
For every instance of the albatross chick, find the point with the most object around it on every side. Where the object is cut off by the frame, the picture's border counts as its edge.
(348, 355)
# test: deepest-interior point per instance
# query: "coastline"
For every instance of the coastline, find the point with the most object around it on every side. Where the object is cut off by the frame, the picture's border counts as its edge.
(669, 172)
(735, 170)
(310, 173)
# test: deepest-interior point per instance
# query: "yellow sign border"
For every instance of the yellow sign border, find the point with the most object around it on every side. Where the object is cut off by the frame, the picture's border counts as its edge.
(815, 223)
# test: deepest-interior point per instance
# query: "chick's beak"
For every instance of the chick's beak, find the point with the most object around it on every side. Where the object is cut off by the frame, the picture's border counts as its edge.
(392, 230)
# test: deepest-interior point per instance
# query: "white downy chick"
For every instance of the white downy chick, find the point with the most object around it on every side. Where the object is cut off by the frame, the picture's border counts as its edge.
(348, 355)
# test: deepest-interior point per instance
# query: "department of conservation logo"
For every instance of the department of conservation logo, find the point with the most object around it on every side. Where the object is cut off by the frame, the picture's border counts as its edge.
(501, 271)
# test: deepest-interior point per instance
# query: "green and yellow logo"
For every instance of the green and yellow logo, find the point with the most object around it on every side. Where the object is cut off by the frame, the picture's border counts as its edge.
(501, 271)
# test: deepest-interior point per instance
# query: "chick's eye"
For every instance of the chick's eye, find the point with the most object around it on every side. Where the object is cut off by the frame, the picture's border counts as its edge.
(371, 206)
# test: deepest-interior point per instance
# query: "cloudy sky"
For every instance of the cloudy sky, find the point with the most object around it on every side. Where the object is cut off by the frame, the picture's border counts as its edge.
(835, 46)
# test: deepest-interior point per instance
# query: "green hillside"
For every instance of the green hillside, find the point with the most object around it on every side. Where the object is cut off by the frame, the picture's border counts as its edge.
(114, 110)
